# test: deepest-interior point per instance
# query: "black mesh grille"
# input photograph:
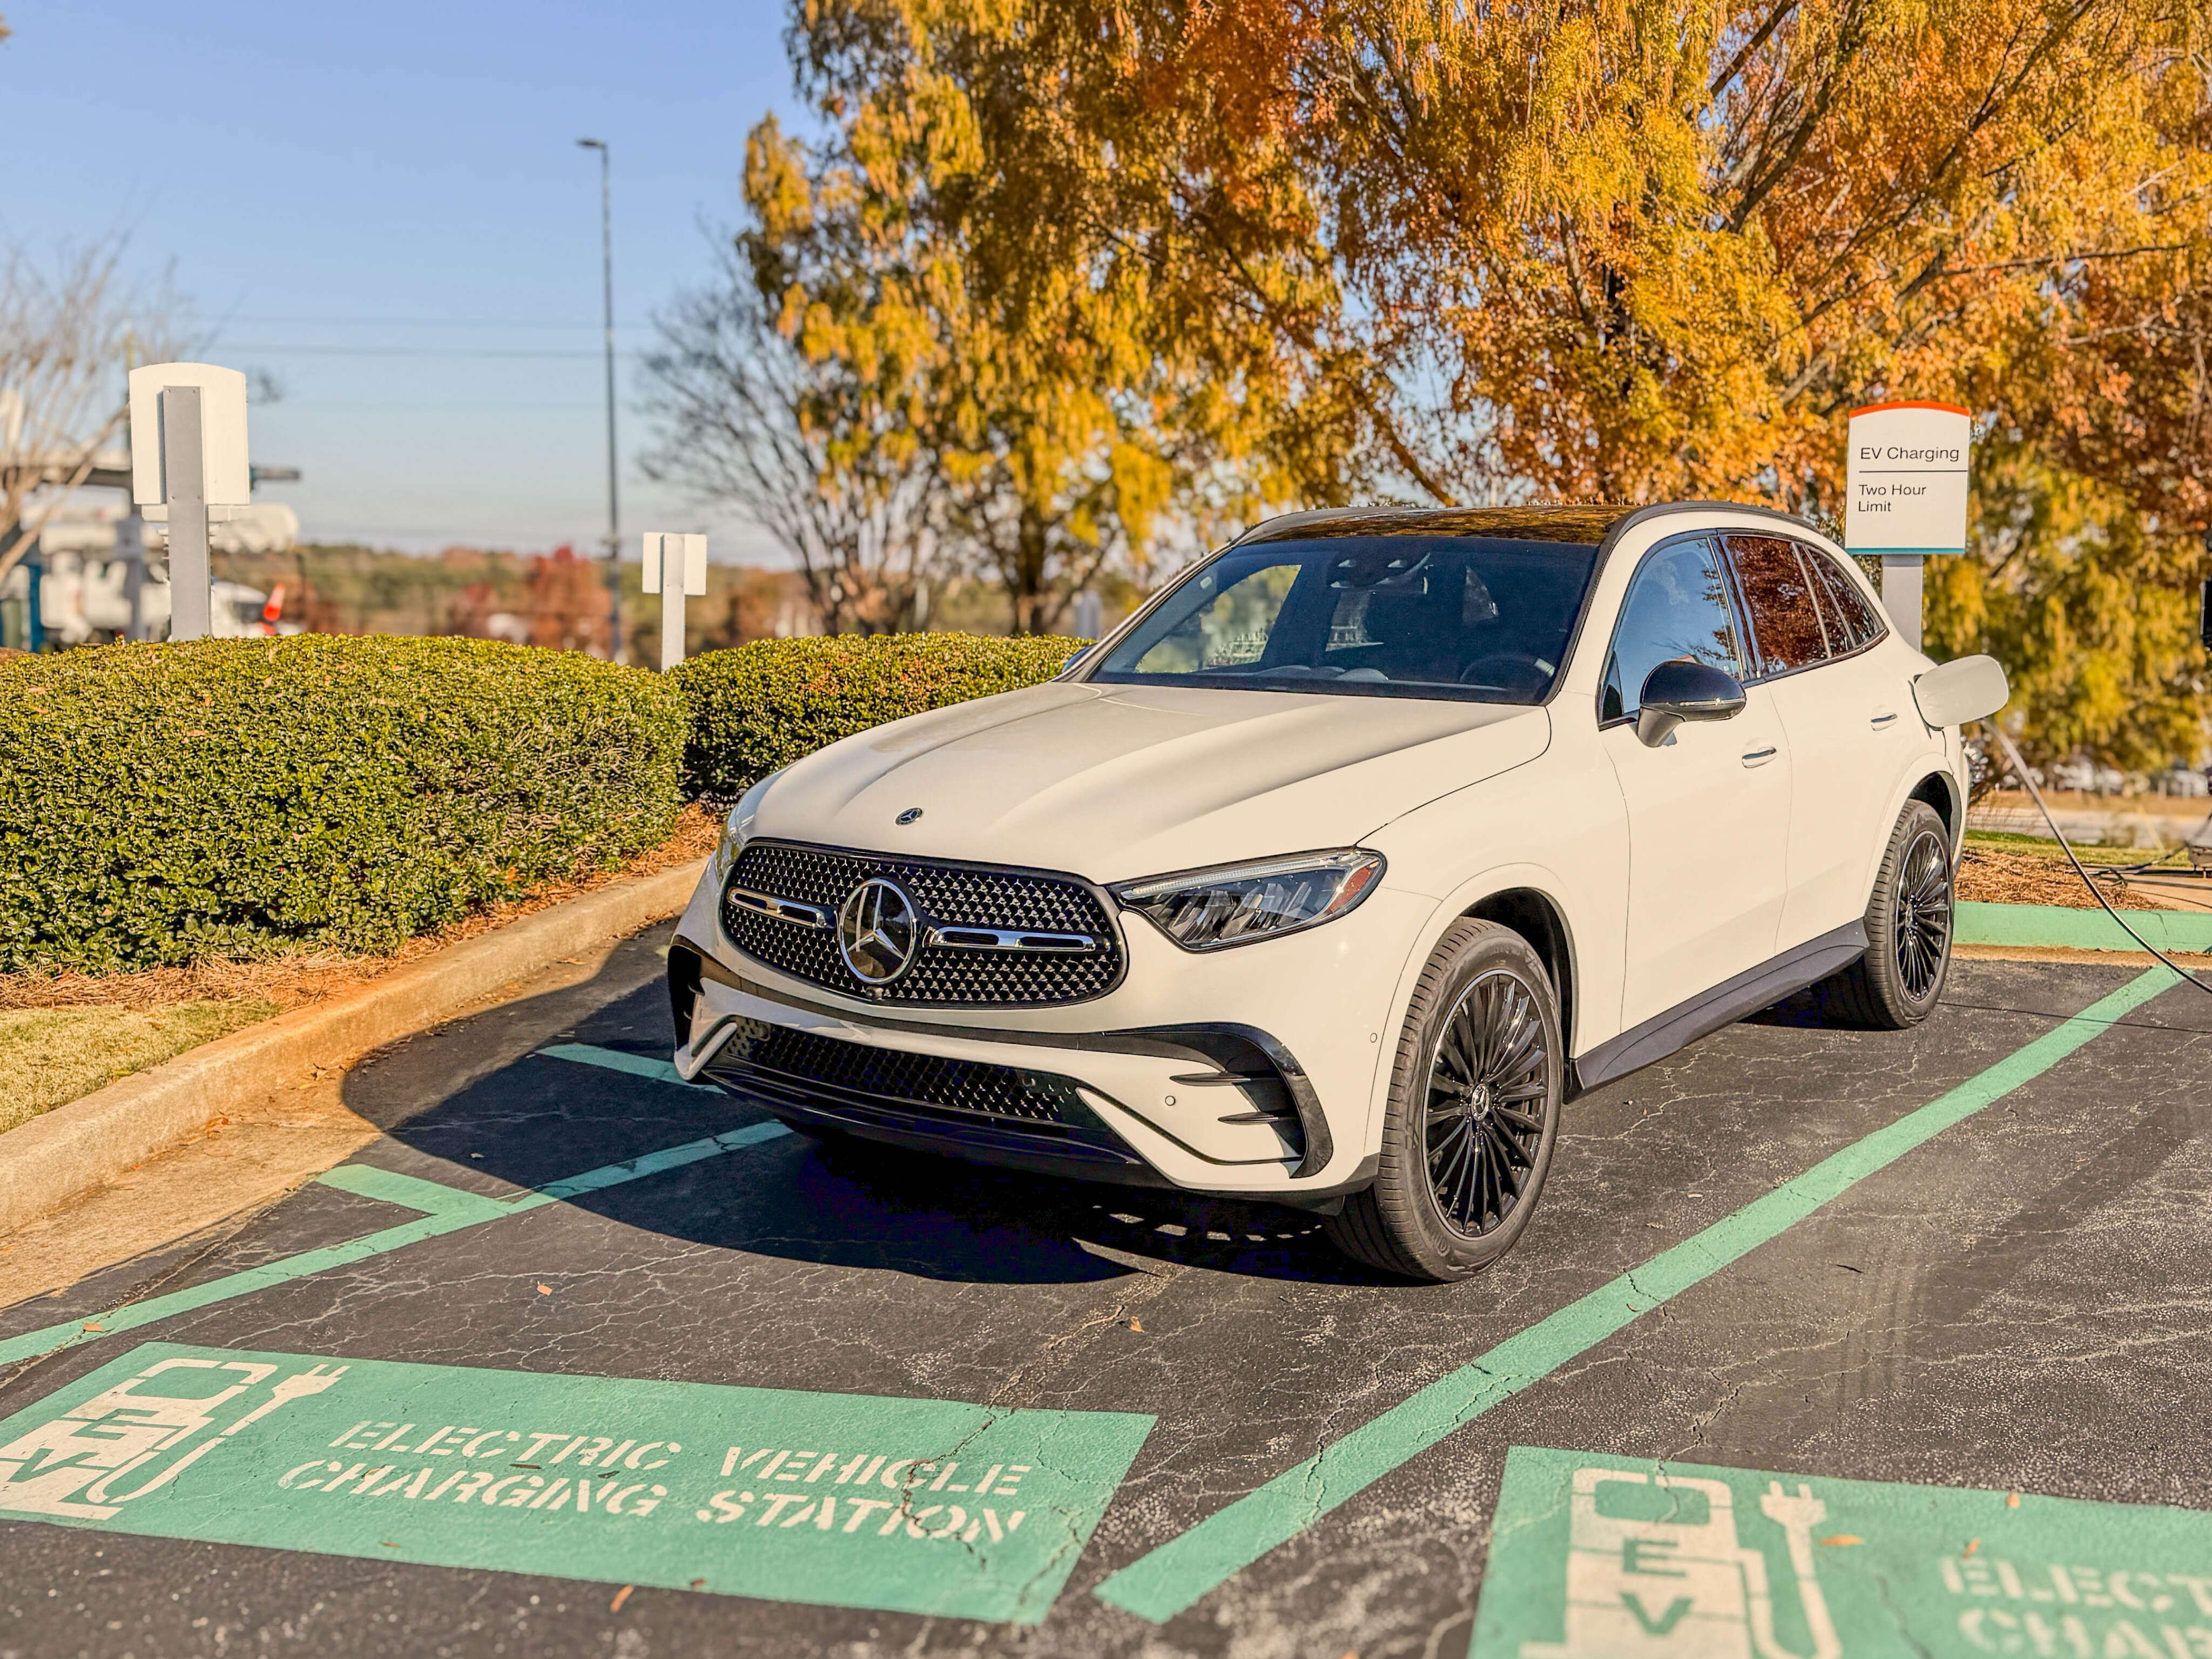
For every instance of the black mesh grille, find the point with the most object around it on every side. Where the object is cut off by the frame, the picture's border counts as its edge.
(763, 1053)
(975, 895)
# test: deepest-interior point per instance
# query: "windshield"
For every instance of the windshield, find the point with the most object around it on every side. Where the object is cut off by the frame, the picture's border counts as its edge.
(1475, 617)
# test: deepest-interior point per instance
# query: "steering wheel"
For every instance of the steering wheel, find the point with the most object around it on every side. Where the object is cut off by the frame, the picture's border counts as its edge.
(1506, 671)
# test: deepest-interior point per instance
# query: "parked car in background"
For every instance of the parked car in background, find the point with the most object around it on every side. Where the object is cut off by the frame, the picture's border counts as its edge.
(1339, 867)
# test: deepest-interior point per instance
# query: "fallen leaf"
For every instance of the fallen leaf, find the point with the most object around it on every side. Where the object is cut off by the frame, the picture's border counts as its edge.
(1972, 1544)
(95, 1328)
(698, 1584)
(1136, 1325)
(1844, 1538)
(544, 1290)
(621, 1597)
(2012, 1500)
(387, 1547)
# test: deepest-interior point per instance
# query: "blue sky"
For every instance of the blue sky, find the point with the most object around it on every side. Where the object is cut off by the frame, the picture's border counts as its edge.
(354, 199)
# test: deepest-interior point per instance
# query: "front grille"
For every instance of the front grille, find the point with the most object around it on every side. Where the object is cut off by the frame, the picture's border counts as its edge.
(808, 1065)
(954, 894)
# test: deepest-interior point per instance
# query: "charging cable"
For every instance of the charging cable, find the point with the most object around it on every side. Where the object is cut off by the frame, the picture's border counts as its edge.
(2020, 771)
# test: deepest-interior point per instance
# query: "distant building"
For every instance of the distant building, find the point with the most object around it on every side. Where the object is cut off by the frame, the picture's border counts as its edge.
(87, 578)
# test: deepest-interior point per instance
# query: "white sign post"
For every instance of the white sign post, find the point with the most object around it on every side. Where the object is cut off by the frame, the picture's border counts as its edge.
(1906, 495)
(675, 564)
(188, 465)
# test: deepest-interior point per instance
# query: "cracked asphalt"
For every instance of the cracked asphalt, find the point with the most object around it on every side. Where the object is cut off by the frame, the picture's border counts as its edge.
(2020, 1304)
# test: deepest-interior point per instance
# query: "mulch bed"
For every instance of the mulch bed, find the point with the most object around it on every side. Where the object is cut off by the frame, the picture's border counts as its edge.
(1994, 876)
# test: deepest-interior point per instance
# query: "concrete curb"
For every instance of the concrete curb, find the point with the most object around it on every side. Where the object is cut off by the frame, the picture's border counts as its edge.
(68, 1152)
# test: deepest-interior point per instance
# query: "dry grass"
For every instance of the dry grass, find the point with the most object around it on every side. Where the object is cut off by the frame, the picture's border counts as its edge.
(49, 1056)
(288, 982)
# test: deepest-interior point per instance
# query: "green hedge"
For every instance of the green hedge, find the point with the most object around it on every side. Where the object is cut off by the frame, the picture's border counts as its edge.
(161, 804)
(764, 705)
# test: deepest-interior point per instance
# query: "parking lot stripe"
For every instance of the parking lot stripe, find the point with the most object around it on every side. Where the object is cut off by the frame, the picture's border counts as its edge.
(1161, 1584)
(455, 1209)
(614, 1059)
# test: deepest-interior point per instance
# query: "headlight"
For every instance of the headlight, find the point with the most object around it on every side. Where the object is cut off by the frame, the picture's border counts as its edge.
(1238, 903)
(737, 827)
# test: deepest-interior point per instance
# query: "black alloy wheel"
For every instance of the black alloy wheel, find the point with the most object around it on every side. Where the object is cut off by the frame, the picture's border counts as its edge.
(1473, 1114)
(1923, 924)
(1487, 1081)
(1898, 981)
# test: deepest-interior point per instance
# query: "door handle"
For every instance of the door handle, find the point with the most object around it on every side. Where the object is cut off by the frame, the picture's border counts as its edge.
(1760, 756)
(1887, 717)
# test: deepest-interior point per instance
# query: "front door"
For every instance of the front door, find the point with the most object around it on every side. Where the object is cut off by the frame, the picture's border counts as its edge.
(1708, 809)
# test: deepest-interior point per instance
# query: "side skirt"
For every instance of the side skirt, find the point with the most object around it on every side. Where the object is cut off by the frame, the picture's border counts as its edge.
(1725, 1003)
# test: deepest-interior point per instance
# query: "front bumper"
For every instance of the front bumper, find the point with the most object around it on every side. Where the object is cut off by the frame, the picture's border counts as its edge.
(1242, 1072)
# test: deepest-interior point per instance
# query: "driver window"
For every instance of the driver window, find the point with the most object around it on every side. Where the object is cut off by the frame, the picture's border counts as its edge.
(1676, 610)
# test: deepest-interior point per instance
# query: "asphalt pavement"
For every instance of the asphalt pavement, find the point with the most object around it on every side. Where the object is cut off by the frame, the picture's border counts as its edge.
(1824, 1342)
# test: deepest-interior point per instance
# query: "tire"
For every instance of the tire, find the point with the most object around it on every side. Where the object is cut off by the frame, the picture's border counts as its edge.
(1899, 981)
(1460, 1171)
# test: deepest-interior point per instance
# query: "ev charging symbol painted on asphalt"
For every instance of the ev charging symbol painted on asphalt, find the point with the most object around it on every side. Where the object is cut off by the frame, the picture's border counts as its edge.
(1656, 1570)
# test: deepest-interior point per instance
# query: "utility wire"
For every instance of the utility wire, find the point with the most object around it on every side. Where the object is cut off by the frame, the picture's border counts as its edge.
(2020, 771)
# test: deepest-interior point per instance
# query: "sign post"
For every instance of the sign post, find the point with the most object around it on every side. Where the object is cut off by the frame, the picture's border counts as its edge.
(188, 466)
(675, 565)
(1906, 495)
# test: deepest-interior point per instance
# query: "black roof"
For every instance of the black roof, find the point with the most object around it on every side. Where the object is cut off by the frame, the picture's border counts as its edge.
(1585, 525)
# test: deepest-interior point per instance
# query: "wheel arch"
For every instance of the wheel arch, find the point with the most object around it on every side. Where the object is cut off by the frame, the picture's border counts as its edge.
(1537, 917)
(1940, 789)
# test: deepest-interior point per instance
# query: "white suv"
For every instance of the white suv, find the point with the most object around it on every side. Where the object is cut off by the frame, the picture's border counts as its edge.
(1328, 875)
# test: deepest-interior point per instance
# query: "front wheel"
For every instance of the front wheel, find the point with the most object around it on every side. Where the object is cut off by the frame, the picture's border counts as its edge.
(1473, 1114)
(1908, 926)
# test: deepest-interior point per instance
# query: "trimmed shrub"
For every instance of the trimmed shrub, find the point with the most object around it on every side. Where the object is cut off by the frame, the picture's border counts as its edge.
(163, 803)
(764, 705)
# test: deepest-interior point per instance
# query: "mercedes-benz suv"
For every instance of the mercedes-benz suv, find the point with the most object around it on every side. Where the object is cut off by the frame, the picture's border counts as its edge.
(1332, 872)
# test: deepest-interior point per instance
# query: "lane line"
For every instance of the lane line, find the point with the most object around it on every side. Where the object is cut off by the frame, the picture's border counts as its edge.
(614, 1059)
(410, 1192)
(1159, 1585)
(448, 1209)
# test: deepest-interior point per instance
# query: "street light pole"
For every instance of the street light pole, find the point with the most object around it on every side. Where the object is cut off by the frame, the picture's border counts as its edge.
(614, 513)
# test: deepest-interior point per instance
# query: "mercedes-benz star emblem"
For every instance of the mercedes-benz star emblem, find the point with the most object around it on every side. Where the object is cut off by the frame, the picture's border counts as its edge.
(878, 931)
(908, 816)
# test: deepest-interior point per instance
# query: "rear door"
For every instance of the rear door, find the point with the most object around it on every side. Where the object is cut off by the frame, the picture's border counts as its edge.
(1812, 632)
(1708, 809)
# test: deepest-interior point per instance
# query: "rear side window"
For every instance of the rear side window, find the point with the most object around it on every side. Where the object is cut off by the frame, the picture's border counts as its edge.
(1676, 611)
(1852, 624)
(1778, 603)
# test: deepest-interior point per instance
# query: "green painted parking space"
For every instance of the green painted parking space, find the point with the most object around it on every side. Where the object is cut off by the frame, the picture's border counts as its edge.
(444, 1210)
(1199, 1430)
(1174, 1574)
(1607, 1557)
(915, 1505)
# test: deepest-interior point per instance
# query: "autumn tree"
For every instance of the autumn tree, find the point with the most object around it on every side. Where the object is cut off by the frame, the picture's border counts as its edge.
(1627, 248)
(796, 438)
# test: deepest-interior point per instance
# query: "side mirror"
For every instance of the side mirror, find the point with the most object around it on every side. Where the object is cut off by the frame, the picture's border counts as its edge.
(2204, 609)
(1966, 689)
(1677, 691)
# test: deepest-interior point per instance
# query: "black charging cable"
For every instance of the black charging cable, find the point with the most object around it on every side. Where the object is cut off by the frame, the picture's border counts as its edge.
(2020, 771)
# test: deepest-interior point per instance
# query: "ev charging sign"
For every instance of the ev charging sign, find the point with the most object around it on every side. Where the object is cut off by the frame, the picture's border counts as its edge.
(1905, 480)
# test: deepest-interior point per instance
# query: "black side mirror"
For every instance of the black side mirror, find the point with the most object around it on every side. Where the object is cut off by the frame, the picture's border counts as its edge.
(1677, 691)
(2204, 609)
